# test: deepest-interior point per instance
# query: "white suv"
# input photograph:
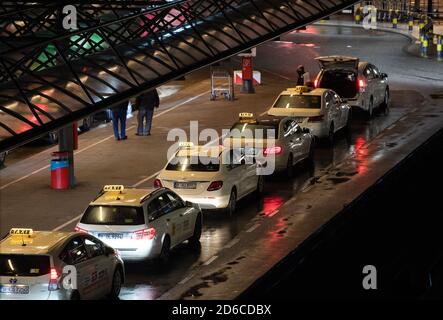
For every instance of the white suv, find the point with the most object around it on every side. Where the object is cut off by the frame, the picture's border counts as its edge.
(360, 83)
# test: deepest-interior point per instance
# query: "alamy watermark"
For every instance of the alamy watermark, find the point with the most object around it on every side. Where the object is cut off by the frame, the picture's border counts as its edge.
(69, 21)
(370, 17)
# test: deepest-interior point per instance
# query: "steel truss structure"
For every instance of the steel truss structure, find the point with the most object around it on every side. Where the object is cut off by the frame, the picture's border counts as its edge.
(50, 77)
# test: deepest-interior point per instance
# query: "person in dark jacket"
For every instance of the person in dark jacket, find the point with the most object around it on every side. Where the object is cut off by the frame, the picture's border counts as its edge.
(146, 102)
(300, 73)
(119, 113)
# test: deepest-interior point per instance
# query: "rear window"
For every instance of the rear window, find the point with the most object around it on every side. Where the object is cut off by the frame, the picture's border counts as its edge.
(298, 101)
(343, 82)
(254, 130)
(194, 163)
(24, 265)
(113, 215)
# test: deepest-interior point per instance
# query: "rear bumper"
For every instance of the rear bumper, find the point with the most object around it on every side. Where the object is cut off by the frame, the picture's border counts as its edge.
(150, 249)
(208, 202)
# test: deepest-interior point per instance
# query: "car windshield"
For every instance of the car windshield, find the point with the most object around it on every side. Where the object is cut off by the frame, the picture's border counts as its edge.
(298, 101)
(254, 130)
(113, 215)
(24, 265)
(194, 163)
(343, 82)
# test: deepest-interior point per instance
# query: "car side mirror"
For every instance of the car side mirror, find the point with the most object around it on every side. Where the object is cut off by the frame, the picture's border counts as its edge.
(384, 76)
(109, 251)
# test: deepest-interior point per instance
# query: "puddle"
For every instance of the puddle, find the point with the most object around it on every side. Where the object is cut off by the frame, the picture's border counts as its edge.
(233, 263)
(346, 174)
(391, 144)
(195, 290)
(218, 276)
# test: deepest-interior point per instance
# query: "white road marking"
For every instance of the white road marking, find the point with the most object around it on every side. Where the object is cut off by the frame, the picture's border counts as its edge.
(145, 179)
(186, 279)
(255, 226)
(67, 223)
(232, 243)
(391, 126)
(103, 140)
(273, 213)
(207, 263)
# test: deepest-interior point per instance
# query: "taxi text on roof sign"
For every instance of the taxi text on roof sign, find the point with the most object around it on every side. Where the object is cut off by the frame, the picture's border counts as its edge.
(113, 188)
(21, 232)
(299, 89)
(246, 115)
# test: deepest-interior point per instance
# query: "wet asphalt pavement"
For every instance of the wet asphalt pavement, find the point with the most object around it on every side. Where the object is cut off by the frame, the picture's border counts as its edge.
(412, 80)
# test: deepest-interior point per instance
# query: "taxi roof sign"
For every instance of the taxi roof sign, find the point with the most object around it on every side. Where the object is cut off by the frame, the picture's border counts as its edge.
(185, 144)
(244, 115)
(21, 232)
(300, 89)
(112, 187)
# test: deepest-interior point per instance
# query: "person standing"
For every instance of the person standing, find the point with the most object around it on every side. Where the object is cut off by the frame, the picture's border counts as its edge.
(119, 113)
(146, 102)
(300, 73)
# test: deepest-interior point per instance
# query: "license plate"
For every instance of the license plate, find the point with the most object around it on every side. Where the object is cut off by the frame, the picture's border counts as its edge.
(250, 151)
(111, 236)
(185, 185)
(14, 289)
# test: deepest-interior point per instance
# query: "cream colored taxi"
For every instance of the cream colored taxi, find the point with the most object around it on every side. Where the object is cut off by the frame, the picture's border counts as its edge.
(212, 177)
(54, 265)
(141, 223)
(325, 111)
(276, 142)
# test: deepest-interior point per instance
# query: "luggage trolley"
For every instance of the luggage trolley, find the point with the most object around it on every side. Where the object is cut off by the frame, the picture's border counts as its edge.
(222, 82)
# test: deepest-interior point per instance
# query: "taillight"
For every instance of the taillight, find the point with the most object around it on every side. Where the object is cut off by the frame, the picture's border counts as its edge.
(215, 185)
(273, 150)
(145, 234)
(77, 229)
(316, 119)
(157, 183)
(361, 85)
(316, 83)
(53, 280)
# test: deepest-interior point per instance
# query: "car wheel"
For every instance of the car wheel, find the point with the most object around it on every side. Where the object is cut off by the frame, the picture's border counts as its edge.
(2, 158)
(385, 104)
(75, 295)
(331, 134)
(290, 166)
(260, 185)
(370, 111)
(195, 239)
(166, 248)
(117, 281)
(232, 205)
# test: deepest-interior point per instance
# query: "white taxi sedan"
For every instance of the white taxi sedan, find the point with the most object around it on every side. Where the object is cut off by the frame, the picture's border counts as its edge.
(54, 265)
(212, 177)
(141, 223)
(324, 110)
(279, 143)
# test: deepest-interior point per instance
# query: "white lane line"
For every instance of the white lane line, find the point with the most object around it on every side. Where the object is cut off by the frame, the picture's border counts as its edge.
(273, 214)
(255, 226)
(185, 280)
(103, 140)
(67, 223)
(391, 126)
(145, 179)
(232, 243)
(207, 263)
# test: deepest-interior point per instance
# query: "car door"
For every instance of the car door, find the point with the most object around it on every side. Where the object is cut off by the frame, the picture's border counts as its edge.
(331, 110)
(290, 139)
(186, 216)
(340, 113)
(238, 171)
(380, 83)
(102, 266)
(371, 85)
(75, 254)
(172, 219)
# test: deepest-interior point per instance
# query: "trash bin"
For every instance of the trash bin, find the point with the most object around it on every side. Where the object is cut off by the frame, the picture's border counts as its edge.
(60, 170)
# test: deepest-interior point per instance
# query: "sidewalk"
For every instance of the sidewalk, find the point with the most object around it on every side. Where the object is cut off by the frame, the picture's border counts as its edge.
(402, 28)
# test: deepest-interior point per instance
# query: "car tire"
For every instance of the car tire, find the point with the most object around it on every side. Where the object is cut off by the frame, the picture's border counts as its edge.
(370, 111)
(2, 158)
(195, 239)
(166, 248)
(232, 204)
(75, 296)
(260, 186)
(385, 104)
(290, 166)
(117, 280)
(331, 135)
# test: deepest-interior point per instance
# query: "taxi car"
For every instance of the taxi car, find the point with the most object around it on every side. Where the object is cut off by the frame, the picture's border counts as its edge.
(213, 177)
(277, 142)
(141, 223)
(360, 82)
(323, 109)
(54, 265)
